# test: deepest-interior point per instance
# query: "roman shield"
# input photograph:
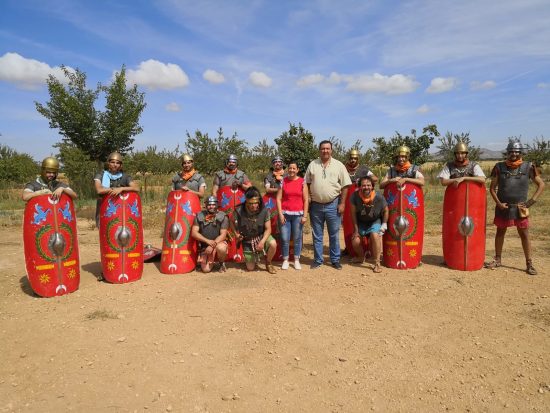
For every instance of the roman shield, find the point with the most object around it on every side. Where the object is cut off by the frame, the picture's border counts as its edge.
(403, 240)
(179, 249)
(51, 245)
(347, 224)
(270, 203)
(464, 219)
(228, 201)
(121, 237)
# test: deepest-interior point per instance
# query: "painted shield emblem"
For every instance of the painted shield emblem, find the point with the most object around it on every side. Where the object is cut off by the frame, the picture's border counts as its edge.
(228, 201)
(121, 237)
(403, 241)
(179, 249)
(51, 245)
(464, 222)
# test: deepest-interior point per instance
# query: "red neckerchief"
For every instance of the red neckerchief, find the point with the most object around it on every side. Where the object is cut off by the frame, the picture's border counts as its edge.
(187, 175)
(279, 174)
(229, 171)
(514, 164)
(369, 199)
(350, 169)
(463, 163)
(209, 217)
(403, 168)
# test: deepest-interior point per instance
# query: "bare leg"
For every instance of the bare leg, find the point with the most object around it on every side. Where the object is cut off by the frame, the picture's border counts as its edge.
(376, 241)
(358, 249)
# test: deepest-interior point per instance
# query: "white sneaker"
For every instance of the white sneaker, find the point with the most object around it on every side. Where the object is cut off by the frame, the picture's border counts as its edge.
(297, 265)
(285, 265)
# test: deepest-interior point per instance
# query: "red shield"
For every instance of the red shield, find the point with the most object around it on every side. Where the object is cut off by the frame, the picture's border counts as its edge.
(464, 219)
(347, 224)
(51, 245)
(402, 242)
(228, 201)
(179, 249)
(121, 237)
(270, 203)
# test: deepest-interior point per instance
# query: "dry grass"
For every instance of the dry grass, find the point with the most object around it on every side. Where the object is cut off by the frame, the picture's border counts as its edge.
(101, 315)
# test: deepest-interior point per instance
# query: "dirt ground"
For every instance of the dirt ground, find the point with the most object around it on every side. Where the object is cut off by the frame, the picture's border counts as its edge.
(428, 339)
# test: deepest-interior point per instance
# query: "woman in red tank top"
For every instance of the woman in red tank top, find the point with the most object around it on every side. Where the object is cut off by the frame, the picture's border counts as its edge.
(292, 205)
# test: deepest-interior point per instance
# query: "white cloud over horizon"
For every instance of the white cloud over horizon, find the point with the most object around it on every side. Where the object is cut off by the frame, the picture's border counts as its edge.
(543, 85)
(172, 107)
(260, 79)
(442, 85)
(155, 75)
(486, 85)
(423, 109)
(213, 77)
(29, 74)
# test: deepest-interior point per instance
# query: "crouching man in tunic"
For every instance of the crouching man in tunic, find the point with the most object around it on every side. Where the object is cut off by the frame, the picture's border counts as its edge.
(47, 183)
(509, 189)
(369, 212)
(210, 230)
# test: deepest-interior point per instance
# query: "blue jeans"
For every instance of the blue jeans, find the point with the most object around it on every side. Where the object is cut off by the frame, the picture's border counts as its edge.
(294, 226)
(319, 213)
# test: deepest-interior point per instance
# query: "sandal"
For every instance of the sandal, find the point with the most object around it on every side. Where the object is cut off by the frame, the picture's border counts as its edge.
(530, 269)
(357, 260)
(222, 268)
(377, 269)
(493, 265)
(270, 268)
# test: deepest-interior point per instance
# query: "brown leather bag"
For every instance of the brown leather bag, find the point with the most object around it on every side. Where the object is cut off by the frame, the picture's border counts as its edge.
(523, 211)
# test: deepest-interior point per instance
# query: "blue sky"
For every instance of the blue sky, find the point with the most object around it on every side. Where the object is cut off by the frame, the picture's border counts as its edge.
(349, 69)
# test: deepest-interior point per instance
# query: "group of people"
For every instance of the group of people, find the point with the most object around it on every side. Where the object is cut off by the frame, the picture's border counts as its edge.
(322, 196)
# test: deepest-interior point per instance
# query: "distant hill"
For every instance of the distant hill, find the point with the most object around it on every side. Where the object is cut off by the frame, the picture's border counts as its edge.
(486, 154)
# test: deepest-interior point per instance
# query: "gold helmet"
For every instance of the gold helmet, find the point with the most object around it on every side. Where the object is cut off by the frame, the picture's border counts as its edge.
(354, 153)
(114, 156)
(403, 150)
(461, 147)
(49, 164)
(186, 157)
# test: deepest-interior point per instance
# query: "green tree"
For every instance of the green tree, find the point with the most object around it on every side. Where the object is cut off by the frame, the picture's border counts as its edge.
(78, 168)
(71, 109)
(297, 144)
(538, 152)
(447, 144)
(383, 152)
(17, 168)
(258, 161)
(209, 154)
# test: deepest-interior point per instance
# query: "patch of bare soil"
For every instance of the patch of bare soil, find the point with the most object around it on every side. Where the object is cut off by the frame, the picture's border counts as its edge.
(428, 339)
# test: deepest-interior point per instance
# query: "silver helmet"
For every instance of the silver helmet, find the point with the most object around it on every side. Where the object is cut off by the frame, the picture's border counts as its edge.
(514, 146)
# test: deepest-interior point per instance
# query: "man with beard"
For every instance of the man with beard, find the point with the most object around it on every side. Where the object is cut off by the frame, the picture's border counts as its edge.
(403, 171)
(189, 179)
(357, 171)
(47, 183)
(230, 176)
(210, 231)
(253, 227)
(328, 182)
(369, 212)
(461, 169)
(510, 189)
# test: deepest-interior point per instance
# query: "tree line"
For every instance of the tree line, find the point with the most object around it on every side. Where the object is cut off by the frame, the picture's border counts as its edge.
(90, 134)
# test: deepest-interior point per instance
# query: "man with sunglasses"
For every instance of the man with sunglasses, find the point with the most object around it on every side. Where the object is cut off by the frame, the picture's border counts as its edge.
(189, 179)
(510, 189)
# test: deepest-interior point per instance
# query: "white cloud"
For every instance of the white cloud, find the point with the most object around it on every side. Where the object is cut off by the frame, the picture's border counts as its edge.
(543, 85)
(488, 84)
(442, 84)
(309, 80)
(157, 75)
(377, 83)
(260, 79)
(334, 78)
(27, 73)
(423, 109)
(172, 107)
(213, 77)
